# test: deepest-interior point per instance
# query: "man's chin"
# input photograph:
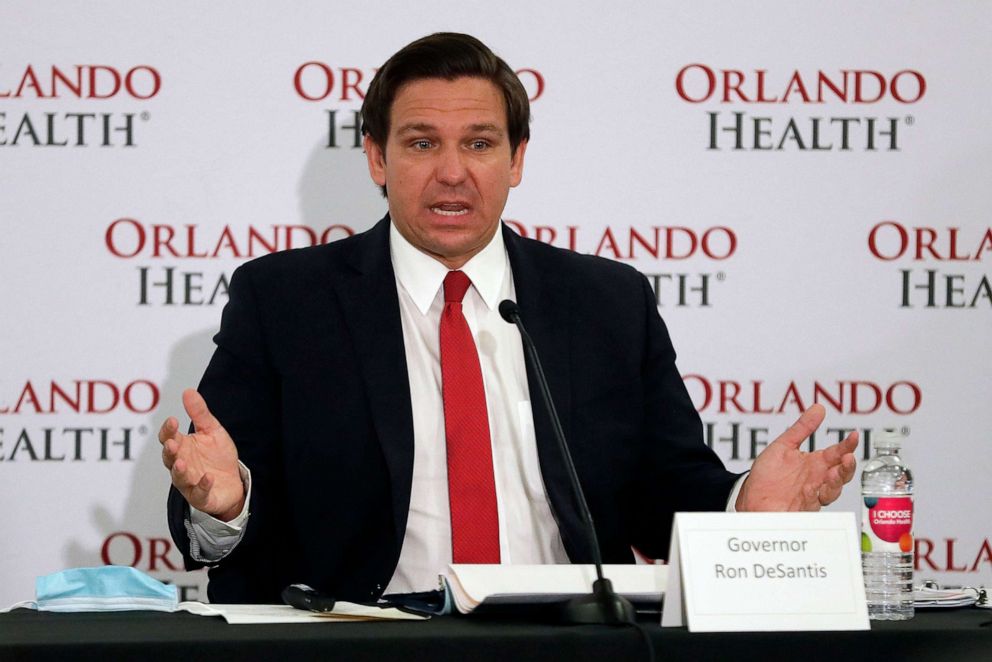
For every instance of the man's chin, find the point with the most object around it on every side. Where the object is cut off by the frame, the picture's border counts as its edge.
(455, 253)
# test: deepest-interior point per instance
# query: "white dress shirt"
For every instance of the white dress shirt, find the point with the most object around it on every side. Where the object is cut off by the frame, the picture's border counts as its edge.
(527, 530)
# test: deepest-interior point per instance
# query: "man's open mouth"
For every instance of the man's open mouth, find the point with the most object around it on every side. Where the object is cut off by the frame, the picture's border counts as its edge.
(450, 208)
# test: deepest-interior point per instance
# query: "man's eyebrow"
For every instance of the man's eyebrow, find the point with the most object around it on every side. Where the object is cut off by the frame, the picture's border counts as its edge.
(416, 127)
(424, 127)
(485, 128)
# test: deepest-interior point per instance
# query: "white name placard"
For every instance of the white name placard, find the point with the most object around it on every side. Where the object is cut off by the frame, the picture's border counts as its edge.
(765, 571)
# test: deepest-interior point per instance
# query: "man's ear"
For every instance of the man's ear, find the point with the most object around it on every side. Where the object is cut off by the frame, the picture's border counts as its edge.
(517, 163)
(376, 157)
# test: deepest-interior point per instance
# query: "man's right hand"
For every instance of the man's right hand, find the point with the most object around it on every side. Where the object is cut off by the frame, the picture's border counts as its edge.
(203, 465)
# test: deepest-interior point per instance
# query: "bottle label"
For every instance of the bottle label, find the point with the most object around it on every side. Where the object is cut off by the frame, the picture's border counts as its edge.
(887, 524)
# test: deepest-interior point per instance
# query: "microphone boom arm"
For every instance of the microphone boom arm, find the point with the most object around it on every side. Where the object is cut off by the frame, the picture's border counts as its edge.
(604, 605)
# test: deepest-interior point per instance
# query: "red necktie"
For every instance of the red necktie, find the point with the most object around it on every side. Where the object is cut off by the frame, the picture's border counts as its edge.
(471, 487)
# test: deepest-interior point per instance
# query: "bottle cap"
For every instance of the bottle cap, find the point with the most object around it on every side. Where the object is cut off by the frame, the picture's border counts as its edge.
(888, 439)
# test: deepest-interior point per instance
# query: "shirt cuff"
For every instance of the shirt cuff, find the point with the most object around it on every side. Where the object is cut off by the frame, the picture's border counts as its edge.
(210, 539)
(732, 500)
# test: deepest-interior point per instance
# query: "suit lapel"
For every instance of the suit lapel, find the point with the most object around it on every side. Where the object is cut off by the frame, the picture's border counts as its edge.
(543, 296)
(371, 310)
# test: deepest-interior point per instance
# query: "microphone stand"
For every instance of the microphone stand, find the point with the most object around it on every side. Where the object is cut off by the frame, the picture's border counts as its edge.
(603, 605)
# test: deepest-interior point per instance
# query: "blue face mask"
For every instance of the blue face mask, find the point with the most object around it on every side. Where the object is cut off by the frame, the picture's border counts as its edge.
(107, 588)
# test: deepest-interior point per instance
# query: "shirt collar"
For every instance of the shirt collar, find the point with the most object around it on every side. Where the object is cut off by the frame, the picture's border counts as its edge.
(421, 275)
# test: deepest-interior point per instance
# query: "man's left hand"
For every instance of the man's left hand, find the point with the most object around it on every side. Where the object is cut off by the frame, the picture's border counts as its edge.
(783, 478)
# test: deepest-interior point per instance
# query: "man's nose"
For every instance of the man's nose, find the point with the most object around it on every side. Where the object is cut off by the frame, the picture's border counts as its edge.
(451, 168)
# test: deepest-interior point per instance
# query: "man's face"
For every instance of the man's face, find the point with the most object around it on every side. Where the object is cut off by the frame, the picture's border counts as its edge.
(447, 165)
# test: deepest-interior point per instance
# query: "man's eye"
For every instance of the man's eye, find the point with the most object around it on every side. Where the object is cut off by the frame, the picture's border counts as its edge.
(422, 144)
(479, 145)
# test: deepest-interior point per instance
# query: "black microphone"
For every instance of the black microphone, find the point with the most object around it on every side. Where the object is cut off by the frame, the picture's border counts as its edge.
(604, 605)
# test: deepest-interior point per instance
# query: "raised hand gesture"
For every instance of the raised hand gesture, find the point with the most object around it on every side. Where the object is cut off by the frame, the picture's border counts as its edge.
(783, 478)
(203, 465)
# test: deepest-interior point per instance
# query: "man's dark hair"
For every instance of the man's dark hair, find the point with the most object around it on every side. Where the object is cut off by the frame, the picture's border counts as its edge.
(447, 55)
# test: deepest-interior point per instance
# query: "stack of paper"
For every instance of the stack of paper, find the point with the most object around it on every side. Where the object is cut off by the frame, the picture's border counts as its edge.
(926, 597)
(472, 586)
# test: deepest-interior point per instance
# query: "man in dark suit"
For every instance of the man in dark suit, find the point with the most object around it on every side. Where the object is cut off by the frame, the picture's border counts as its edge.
(368, 459)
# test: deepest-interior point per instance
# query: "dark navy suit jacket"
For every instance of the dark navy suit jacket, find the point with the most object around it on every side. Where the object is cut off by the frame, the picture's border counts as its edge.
(310, 379)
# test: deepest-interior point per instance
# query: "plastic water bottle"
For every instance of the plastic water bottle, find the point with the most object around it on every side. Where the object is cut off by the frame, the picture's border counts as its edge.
(887, 531)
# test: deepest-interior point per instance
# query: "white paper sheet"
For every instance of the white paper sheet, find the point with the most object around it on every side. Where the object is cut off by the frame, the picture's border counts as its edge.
(344, 612)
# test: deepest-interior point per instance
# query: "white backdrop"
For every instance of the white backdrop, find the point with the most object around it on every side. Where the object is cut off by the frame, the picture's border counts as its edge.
(175, 141)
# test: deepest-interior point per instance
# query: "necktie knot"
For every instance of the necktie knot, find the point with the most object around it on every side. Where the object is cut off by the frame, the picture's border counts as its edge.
(455, 285)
